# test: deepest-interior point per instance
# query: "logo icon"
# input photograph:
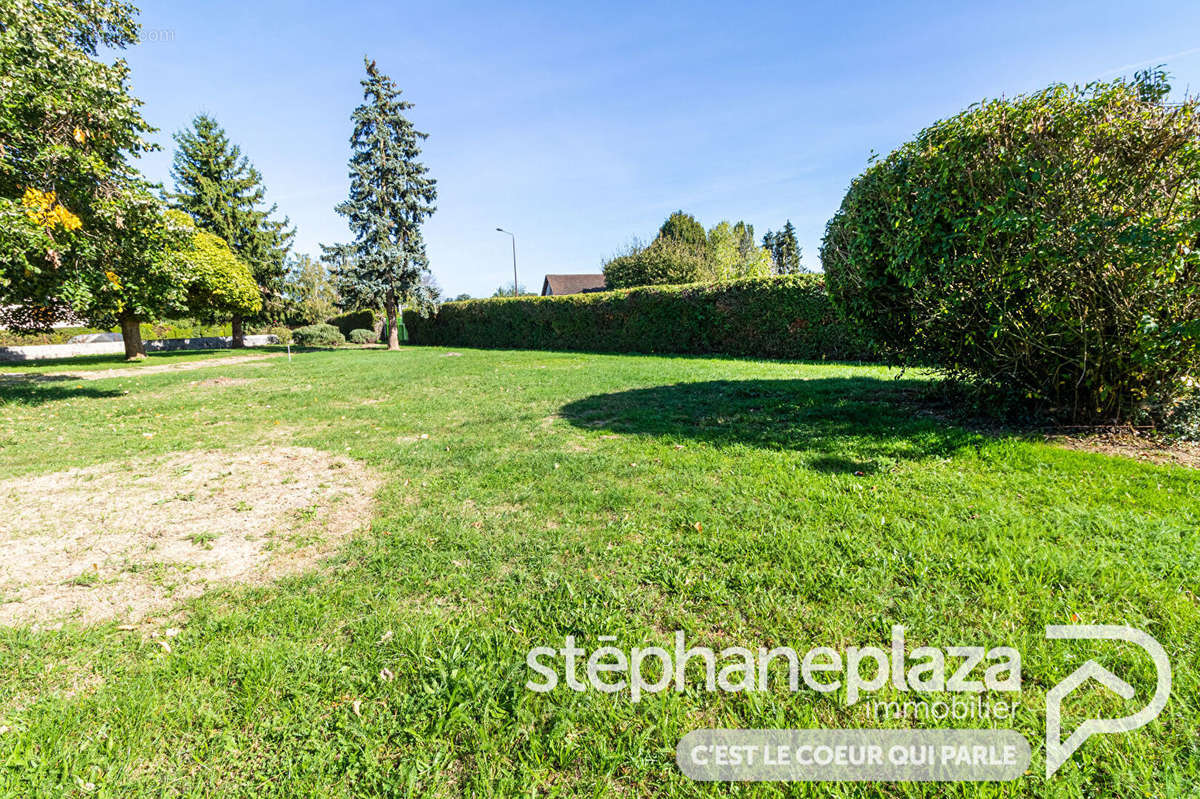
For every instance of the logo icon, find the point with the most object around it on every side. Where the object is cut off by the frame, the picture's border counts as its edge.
(1057, 750)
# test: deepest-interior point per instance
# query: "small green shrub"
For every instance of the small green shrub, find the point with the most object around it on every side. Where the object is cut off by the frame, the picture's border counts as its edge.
(1043, 249)
(318, 336)
(776, 317)
(1182, 418)
(363, 319)
(362, 336)
(284, 334)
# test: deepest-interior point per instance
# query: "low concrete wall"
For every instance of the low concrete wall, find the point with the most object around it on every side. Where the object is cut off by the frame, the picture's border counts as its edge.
(38, 352)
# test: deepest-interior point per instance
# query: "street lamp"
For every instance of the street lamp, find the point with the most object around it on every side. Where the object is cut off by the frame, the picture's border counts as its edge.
(516, 290)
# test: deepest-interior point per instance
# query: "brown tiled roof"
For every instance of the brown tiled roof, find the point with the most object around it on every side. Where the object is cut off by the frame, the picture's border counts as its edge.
(572, 284)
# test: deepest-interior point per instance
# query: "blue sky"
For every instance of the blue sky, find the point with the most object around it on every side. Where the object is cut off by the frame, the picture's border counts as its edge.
(581, 125)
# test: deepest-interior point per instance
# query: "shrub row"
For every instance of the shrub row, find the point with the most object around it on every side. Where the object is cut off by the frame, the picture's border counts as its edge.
(776, 317)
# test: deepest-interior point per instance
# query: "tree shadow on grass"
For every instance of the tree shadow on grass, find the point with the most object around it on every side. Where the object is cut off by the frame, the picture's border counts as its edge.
(848, 425)
(41, 389)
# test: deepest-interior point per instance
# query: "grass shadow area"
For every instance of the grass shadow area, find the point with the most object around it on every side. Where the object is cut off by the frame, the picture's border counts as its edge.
(43, 389)
(850, 425)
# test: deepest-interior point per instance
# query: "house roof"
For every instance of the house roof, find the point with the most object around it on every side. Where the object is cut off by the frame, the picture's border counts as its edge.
(572, 284)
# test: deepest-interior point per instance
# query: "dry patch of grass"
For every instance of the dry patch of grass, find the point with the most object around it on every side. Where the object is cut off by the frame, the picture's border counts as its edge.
(121, 542)
(1131, 444)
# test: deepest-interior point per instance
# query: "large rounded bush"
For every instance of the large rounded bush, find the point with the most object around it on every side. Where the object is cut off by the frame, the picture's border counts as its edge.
(318, 336)
(1044, 246)
(362, 336)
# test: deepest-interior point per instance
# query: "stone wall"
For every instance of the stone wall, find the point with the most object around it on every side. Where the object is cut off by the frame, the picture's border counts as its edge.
(37, 352)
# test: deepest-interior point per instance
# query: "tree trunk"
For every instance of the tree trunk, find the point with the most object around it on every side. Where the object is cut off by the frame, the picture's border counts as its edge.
(239, 335)
(393, 332)
(131, 333)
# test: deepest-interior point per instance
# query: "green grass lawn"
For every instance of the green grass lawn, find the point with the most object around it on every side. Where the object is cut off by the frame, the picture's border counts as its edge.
(742, 502)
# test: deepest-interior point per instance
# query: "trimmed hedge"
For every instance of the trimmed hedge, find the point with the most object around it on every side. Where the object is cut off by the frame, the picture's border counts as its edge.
(777, 317)
(350, 321)
(362, 336)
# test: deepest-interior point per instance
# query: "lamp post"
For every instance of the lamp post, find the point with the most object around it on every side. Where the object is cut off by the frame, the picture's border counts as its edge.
(516, 290)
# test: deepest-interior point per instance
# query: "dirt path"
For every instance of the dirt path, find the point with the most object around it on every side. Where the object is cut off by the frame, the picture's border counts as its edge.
(135, 371)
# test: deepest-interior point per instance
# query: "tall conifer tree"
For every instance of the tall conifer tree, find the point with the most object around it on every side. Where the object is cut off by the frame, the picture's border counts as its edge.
(222, 191)
(788, 258)
(784, 249)
(391, 194)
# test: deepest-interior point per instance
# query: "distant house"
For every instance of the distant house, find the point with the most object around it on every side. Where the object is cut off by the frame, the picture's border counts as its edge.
(555, 285)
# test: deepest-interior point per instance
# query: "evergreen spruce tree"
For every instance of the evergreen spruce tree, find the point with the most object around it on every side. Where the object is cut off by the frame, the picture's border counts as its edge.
(391, 194)
(787, 258)
(770, 244)
(222, 191)
(784, 249)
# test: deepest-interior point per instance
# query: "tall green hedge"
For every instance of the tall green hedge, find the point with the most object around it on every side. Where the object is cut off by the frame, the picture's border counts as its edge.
(777, 317)
(362, 319)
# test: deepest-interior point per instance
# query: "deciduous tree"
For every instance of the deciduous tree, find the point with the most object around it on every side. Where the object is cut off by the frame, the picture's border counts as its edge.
(308, 291)
(219, 284)
(68, 125)
(683, 227)
(142, 278)
(732, 253)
